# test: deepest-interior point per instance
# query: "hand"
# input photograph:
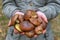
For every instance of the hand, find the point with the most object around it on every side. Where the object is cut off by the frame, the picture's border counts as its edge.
(13, 19)
(44, 19)
(42, 16)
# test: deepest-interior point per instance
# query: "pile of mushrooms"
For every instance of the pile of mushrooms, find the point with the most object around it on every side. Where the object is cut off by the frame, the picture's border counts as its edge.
(30, 24)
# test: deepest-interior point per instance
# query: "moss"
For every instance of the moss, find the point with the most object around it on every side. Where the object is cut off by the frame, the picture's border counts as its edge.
(3, 18)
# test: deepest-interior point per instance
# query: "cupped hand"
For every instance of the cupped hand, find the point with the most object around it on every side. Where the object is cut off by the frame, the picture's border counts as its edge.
(14, 18)
(44, 20)
(18, 15)
(42, 16)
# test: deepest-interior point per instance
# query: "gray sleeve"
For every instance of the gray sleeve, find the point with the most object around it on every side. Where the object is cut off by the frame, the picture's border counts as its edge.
(9, 7)
(52, 9)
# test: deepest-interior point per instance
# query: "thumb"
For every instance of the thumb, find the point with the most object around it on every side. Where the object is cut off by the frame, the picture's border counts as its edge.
(44, 31)
(9, 23)
(15, 31)
(44, 18)
(12, 20)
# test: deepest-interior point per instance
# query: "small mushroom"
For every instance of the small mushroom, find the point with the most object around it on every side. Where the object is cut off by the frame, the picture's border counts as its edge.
(17, 27)
(30, 14)
(17, 21)
(39, 30)
(29, 34)
(34, 21)
(27, 15)
(33, 14)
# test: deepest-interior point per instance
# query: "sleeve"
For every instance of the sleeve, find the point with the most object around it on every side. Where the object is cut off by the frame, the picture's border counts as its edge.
(9, 7)
(52, 9)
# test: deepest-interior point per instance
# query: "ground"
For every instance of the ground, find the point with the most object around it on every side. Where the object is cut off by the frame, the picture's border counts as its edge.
(4, 21)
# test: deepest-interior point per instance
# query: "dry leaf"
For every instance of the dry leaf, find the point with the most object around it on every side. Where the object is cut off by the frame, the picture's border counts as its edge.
(0, 30)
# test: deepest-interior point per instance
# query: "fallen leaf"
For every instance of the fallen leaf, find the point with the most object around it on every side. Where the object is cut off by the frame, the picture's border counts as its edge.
(0, 31)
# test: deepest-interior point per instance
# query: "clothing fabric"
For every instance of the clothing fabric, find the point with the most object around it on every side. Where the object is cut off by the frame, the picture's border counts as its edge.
(51, 8)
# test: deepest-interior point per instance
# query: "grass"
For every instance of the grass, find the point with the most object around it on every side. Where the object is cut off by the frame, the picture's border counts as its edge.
(56, 27)
(3, 27)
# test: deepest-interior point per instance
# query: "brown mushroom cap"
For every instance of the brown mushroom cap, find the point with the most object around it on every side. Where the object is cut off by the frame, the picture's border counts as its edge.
(34, 21)
(38, 30)
(26, 26)
(27, 15)
(29, 34)
(30, 14)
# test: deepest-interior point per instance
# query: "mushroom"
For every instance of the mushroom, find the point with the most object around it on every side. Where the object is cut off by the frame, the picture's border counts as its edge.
(30, 14)
(17, 27)
(39, 30)
(34, 21)
(29, 34)
(26, 26)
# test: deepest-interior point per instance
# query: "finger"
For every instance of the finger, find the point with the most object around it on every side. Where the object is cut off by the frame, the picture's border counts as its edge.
(42, 15)
(15, 31)
(20, 18)
(22, 33)
(44, 31)
(9, 23)
(44, 18)
(40, 20)
(13, 19)
(44, 25)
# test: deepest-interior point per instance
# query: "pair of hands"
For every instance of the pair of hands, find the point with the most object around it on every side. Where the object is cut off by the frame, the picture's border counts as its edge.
(40, 15)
